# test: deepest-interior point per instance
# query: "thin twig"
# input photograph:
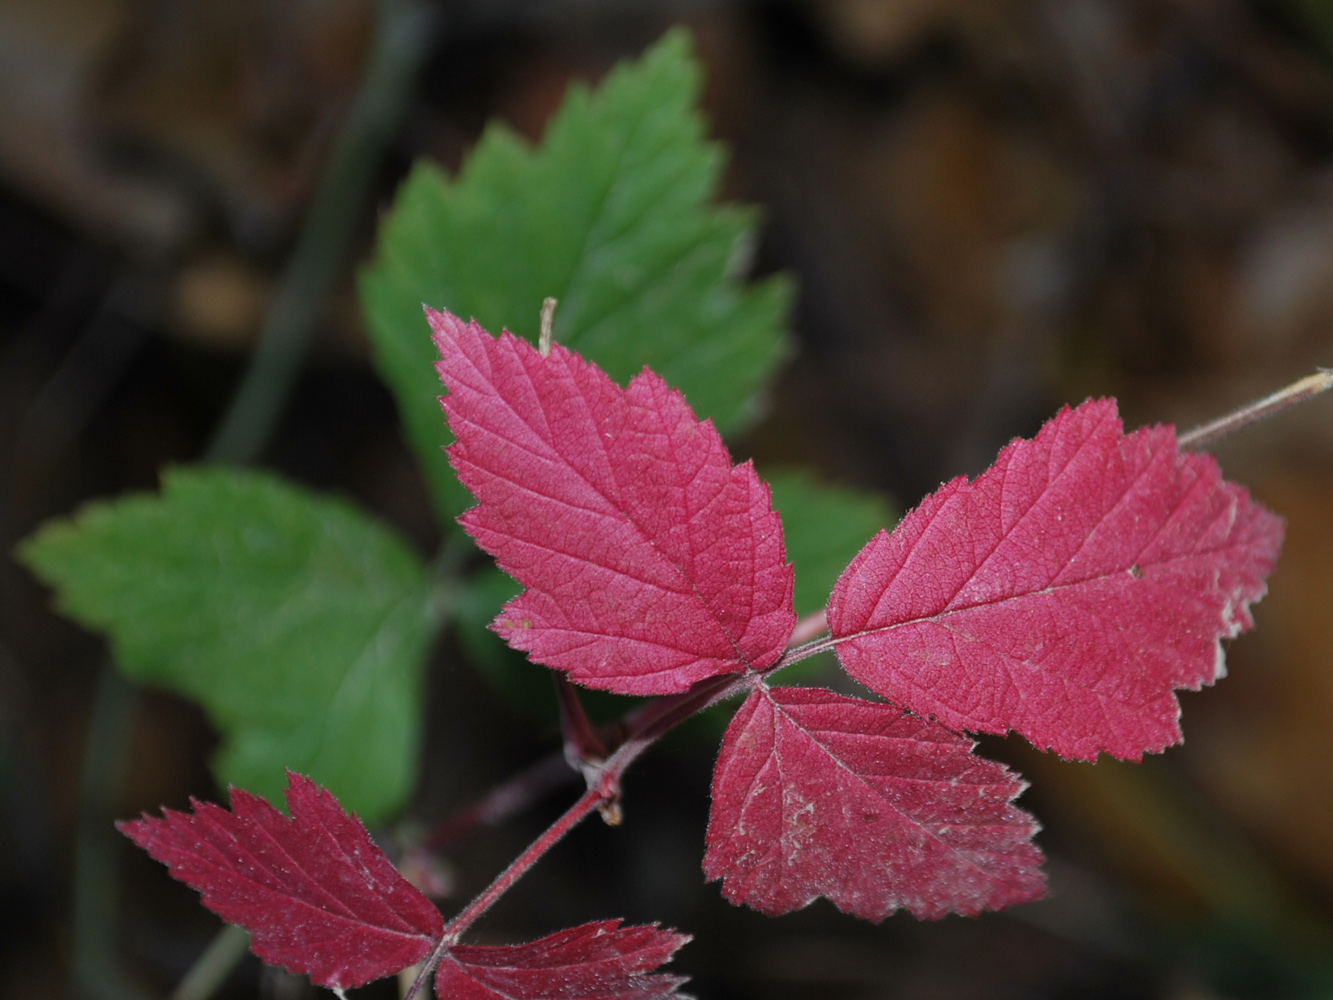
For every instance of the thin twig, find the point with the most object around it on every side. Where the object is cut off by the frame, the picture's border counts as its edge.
(549, 773)
(807, 628)
(400, 46)
(574, 815)
(211, 969)
(96, 969)
(1261, 409)
(644, 726)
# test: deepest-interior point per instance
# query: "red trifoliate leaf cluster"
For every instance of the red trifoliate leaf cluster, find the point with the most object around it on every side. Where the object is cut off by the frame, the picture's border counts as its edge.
(1066, 594)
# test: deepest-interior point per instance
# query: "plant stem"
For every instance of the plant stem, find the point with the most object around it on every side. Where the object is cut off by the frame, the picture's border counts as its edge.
(546, 337)
(808, 628)
(402, 33)
(528, 785)
(582, 744)
(795, 654)
(574, 815)
(96, 971)
(646, 726)
(211, 969)
(1261, 409)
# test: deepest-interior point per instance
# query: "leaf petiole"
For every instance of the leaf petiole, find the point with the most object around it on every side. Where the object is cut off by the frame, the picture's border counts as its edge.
(574, 815)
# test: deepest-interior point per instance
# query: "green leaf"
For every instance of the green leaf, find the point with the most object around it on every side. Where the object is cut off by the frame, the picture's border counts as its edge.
(824, 526)
(297, 621)
(610, 215)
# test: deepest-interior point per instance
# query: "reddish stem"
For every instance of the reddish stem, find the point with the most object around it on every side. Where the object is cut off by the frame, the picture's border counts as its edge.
(587, 802)
(573, 816)
(644, 726)
(795, 654)
(582, 744)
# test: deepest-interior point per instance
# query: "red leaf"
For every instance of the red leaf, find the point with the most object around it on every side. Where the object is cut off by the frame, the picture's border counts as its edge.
(817, 794)
(598, 961)
(315, 893)
(650, 561)
(1065, 593)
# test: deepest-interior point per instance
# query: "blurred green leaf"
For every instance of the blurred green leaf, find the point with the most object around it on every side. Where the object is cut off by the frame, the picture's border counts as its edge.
(523, 685)
(298, 622)
(824, 527)
(1317, 16)
(610, 216)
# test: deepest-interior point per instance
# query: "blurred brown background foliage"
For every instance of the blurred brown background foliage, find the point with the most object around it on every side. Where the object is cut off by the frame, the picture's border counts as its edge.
(993, 207)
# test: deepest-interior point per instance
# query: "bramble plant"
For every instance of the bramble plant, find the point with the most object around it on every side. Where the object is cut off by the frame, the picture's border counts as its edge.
(1064, 594)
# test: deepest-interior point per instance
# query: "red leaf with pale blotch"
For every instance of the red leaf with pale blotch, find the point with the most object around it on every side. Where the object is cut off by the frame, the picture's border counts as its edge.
(598, 961)
(818, 794)
(650, 561)
(315, 893)
(1065, 593)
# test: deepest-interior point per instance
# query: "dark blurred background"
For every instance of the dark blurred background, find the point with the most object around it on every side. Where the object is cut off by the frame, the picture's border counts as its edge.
(992, 207)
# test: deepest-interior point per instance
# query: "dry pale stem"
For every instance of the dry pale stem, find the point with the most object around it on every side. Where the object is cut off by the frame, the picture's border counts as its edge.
(1261, 409)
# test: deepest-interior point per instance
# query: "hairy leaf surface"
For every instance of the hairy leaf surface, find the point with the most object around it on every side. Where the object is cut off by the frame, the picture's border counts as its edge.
(315, 893)
(650, 561)
(818, 794)
(1065, 593)
(597, 961)
(299, 623)
(610, 215)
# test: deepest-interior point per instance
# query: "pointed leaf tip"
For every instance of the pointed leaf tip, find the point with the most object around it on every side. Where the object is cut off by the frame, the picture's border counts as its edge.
(1065, 593)
(650, 561)
(314, 891)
